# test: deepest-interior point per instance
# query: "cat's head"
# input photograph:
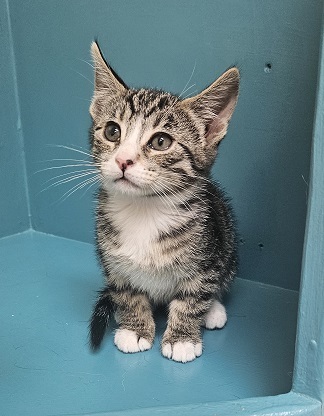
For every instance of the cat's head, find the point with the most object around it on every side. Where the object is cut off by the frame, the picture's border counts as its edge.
(147, 141)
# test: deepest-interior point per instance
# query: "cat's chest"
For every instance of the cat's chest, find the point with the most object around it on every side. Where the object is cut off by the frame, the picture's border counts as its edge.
(139, 225)
(142, 244)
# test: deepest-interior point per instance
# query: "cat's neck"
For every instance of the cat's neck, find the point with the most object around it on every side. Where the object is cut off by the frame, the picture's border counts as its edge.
(145, 203)
(174, 205)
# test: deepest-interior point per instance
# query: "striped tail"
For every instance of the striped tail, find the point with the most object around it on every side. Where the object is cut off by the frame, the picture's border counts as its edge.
(100, 319)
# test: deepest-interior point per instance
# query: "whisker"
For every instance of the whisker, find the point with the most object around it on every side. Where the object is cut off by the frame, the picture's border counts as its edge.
(162, 197)
(88, 100)
(81, 75)
(70, 148)
(64, 166)
(86, 62)
(76, 188)
(177, 196)
(66, 180)
(87, 189)
(190, 94)
(186, 90)
(192, 72)
(187, 189)
(71, 173)
(66, 160)
(209, 181)
(167, 198)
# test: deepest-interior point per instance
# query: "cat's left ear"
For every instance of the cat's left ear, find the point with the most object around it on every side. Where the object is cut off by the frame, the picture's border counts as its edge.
(215, 105)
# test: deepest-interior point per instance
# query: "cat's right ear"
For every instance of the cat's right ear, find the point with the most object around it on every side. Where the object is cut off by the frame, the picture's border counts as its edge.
(106, 79)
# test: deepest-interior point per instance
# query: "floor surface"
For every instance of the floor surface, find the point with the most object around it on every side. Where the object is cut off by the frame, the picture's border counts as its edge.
(47, 288)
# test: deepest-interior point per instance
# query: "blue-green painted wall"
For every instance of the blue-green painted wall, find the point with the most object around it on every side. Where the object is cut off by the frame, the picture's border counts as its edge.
(14, 212)
(263, 162)
(309, 362)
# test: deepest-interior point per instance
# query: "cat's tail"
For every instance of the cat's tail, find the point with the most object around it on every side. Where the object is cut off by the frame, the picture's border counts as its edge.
(100, 318)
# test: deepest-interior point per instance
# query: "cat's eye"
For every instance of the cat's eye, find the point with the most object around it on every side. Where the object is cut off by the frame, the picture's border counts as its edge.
(112, 131)
(160, 141)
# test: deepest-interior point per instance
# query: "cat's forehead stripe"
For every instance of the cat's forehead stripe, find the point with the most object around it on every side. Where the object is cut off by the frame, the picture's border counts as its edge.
(147, 102)
(130, 103)
(134, 133)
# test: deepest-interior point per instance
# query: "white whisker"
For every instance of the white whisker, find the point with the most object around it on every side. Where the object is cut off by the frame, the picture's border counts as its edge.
(86, 62)
(81, 75)
(89, 186)
(69, 179)
(71, 173)
(88, 100)
(162, 197)
(185, 87)
(185, 91)
(166, 184)
(66, 160)
(175, 195)
(71, 148)
(76, 188)
(167, 198)
(64, 166)
(189, 94)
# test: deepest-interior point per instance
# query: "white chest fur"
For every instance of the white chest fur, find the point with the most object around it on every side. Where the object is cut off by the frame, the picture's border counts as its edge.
(139, 223)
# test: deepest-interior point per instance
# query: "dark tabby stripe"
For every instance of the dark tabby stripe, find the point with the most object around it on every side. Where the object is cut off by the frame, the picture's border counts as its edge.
(191, 158)
(175, 232)
(130, 102)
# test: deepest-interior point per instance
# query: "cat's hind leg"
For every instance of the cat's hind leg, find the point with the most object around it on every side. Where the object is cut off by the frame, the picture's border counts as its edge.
(216, 316)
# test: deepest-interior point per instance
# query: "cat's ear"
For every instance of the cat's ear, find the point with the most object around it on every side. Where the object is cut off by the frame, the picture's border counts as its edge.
(106, 79)
(215, 105)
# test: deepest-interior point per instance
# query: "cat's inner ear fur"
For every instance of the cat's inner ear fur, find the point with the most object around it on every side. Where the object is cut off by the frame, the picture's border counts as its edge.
(215, 105)
(106, 79)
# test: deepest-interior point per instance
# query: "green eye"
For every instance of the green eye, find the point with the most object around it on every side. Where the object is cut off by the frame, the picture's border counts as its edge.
(112, 131)
(160, 141)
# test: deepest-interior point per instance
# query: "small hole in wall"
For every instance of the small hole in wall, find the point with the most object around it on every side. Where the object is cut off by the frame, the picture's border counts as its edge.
(267, 67)
(260, 246)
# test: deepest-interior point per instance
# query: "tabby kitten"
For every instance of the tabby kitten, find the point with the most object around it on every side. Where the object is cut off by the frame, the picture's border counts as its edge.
(165, 233)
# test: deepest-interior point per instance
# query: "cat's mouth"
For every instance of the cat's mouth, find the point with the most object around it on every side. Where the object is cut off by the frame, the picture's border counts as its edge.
(126, 184)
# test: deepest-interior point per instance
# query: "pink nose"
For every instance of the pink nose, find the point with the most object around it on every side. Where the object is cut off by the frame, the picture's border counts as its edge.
(123, 163)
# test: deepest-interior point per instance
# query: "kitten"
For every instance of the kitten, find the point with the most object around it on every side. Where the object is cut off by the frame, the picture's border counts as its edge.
(165, 232)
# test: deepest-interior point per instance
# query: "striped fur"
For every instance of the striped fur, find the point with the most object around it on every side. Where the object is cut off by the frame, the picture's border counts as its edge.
(165, 233)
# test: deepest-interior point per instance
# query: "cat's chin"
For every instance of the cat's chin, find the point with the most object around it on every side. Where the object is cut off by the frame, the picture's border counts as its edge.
(125, 186)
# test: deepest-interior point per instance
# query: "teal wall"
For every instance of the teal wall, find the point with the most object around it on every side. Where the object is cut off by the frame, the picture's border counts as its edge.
(309, 360)
(14, 212)
(263, 162)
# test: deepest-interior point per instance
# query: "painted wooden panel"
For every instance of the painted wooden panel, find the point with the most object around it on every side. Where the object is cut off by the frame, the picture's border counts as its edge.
(263, 162)
(14, 210)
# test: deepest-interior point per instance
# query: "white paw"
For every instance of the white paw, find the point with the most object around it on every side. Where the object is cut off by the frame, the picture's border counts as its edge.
(216, 316)
(128, 341)
(182, 351)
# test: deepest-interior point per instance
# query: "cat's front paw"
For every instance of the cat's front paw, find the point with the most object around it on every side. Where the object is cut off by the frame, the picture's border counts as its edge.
(128, 341)
(182, 351)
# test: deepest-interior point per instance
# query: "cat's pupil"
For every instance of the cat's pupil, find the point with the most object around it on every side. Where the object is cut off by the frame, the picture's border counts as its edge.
(160, 141)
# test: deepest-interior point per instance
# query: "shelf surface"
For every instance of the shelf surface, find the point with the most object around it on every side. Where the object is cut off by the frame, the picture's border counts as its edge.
(48, 285)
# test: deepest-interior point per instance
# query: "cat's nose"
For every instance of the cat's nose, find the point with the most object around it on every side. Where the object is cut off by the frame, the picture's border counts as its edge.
(124, 163)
